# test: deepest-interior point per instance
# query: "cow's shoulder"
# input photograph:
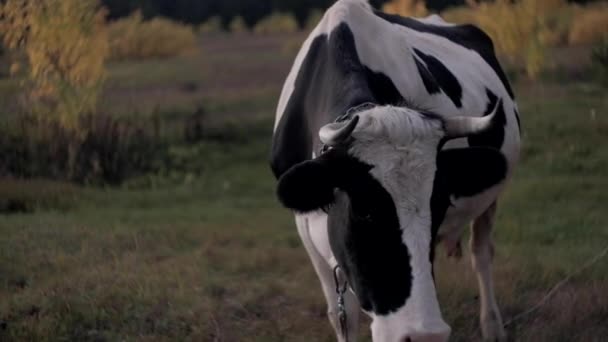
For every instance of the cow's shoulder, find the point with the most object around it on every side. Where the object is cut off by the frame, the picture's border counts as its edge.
(468, 36)
(291, 139)
(326, 80)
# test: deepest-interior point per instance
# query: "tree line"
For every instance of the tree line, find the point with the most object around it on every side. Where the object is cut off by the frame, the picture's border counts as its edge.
(252, 11)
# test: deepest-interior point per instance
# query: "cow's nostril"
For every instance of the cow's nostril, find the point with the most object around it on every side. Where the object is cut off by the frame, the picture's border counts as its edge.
(407, 339)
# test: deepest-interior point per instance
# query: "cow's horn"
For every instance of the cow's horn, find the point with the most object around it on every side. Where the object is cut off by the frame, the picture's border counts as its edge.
(336, 132)
(464, 126)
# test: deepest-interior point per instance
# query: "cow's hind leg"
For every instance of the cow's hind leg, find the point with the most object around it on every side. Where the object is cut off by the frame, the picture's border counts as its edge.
(317, 225)
(482, 253)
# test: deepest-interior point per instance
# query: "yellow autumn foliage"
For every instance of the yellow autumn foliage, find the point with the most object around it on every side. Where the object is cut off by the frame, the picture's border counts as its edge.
(523, 29)
(590, 26)
(406, 8)
(65, 44)
(459, 15)
(132, 38)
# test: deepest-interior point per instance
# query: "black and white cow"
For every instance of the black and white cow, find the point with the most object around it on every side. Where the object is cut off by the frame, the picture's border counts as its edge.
(392, 134)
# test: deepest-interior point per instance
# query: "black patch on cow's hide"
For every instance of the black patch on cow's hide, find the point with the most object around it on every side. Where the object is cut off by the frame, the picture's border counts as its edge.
(383, 89)
(518, 120)
(468, 36)
(441, 76)
(495, 135)
(330, 80)
(427, 78)
(470, 171)
(463, 172)
(365, 237)
(363, 226)
(291, 142)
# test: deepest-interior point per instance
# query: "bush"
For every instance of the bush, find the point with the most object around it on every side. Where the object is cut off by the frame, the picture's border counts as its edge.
(406, 8)
(109, 152)
(277, 23)
(590, 25)
(237, 25)
(520, 29)
(212, 25)
(65, 44)
(132, 38)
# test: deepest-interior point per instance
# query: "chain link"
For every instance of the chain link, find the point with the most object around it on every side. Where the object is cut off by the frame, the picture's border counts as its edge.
(340, 290)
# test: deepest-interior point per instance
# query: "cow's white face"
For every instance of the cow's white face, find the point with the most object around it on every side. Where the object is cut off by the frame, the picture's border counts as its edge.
(375, 182)
(401, 145)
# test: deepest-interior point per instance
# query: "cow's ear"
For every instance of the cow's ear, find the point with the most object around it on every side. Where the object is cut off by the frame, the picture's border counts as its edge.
(307, 186)
(466, 172)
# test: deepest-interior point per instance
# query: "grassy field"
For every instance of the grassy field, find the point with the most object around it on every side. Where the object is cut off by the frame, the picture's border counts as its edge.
(209, 255)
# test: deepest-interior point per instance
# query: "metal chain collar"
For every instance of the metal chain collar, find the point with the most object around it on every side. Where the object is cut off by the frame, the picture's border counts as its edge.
(341, 287)
(340, 290)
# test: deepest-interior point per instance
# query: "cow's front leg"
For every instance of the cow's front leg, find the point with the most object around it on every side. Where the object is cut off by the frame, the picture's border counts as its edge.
(313, 232)
(482, 252)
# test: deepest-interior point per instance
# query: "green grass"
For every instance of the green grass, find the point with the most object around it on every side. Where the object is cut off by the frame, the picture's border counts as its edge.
(257, 67)
(206, 253)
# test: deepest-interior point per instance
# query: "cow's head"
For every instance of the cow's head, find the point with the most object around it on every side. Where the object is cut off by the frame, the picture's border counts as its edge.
(375, 181)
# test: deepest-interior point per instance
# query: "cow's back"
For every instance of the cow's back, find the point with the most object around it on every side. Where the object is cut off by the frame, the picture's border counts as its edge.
(357, 55)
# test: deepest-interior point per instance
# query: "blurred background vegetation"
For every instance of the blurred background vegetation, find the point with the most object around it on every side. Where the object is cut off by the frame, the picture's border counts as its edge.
(134, 136)
(57, 54)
